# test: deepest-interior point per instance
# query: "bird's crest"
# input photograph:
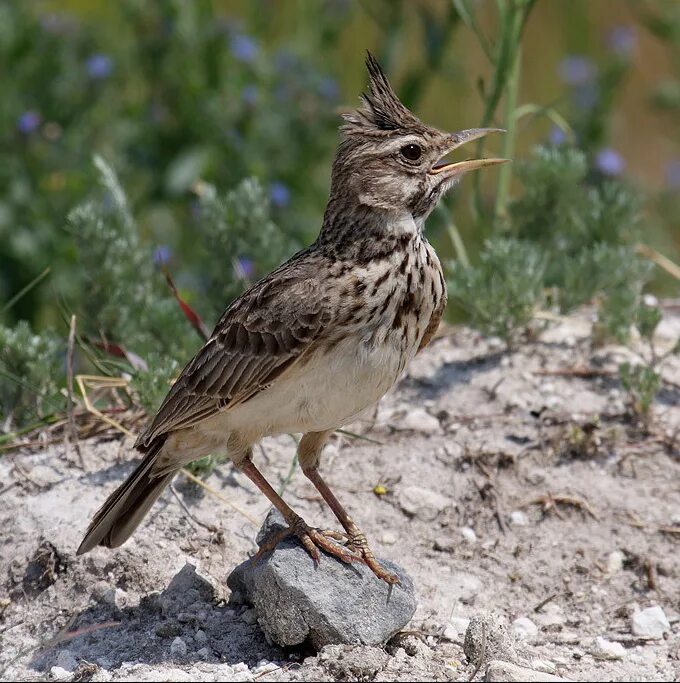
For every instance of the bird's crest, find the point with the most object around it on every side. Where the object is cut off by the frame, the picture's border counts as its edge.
(381, 112)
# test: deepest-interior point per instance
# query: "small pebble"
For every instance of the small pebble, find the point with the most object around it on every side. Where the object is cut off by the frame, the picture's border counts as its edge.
(449, 633)
(607, 649)
(203, 653)
(615, 562)
(650, 623)
(201, 637)
(67, 661)
(524, 629)
(249, 616)
(460, 624)
(468, 534)
(178, 648)
(60, 674)
(389, 538)
(422, 503)
(518, 518)
(418, 420)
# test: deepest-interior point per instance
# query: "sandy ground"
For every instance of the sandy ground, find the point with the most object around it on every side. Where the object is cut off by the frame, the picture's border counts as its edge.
(503, 488)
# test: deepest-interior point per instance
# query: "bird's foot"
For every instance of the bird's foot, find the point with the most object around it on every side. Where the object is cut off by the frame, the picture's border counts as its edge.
(358, 544)
(312, 539)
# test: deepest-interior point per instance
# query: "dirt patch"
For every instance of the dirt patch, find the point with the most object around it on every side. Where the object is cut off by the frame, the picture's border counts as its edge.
(498, 485)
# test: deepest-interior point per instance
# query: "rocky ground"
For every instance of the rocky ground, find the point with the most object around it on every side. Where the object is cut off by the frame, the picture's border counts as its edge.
(515, 493)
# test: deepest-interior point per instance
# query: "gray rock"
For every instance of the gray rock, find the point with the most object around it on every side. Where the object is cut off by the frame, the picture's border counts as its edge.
(332, 603)
(607, 649)
(524, 629)
(66, 661)
(487, 638)
(422, 503)
(506, 671)
(650, 623)
(178, 648)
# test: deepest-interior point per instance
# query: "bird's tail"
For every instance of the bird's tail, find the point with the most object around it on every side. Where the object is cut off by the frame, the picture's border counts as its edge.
(125, 508)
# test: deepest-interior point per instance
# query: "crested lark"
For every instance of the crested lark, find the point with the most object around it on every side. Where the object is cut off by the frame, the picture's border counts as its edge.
(323, 337)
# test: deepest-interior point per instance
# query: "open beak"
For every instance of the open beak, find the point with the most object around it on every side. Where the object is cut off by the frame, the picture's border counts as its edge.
(450, 169)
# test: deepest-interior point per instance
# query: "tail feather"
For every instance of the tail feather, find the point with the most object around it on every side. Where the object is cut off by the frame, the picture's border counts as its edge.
(125, 508)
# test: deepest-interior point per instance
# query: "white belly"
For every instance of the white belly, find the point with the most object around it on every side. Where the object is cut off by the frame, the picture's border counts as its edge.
(323, 393)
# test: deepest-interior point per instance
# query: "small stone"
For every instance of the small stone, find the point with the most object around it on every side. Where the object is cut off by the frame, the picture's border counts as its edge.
(200, 637)
(445, 543)
(59, 674)
(468, 534)
(249, 616)
(178, 648)
(203, 653)
(506, 671)
(67, 661)
(422, 503)
(518, 518)
(615, 562)
(418, 420)
(650, 623)
(389, 538)
(264, 667)
(460, 624)
(550, 615)
(450, 633)
(607, 649)
(487, 636)
(332, 603)
(524, 629)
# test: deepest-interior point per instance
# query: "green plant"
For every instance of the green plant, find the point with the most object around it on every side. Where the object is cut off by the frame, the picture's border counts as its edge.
(502, 292)
(643, 379)
(642, 382)
(31, 375)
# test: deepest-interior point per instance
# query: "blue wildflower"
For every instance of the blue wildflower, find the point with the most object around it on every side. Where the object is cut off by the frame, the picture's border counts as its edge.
(244, 268)
(557, 136)
(244, 48)
(162, 255)
(673, 174)
(609, 162)
(622, 40)
(28, 122)
(250, 95)
(279, 194)
(577, 70)
(99, 66)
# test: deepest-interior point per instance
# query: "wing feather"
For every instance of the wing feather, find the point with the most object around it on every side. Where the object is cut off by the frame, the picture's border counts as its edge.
(262, 334)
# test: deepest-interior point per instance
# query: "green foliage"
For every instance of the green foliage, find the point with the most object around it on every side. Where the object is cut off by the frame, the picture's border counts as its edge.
(642, 383)
(504, 290)
(240, 242)
(31, 374)
(171, 93)
(150, 386)
(124, 297)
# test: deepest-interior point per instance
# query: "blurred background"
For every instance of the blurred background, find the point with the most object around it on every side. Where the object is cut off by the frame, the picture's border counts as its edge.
(215, 124)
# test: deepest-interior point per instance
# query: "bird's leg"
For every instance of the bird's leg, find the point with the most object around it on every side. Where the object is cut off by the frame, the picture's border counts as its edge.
(309, 451)
(312, 539)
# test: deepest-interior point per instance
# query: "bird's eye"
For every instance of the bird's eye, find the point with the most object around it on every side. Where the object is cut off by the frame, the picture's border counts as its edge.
(411, 152)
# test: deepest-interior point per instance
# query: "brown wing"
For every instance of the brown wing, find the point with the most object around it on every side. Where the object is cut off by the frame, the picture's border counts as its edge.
(260, 335)
(433, 325)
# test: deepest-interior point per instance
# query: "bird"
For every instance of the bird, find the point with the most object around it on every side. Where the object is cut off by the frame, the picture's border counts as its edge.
(323, 337)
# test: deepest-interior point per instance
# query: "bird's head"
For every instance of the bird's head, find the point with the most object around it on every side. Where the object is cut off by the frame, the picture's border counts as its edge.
(391, 161)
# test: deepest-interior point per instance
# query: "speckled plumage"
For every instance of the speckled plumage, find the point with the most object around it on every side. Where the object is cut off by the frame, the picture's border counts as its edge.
(321, 338)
